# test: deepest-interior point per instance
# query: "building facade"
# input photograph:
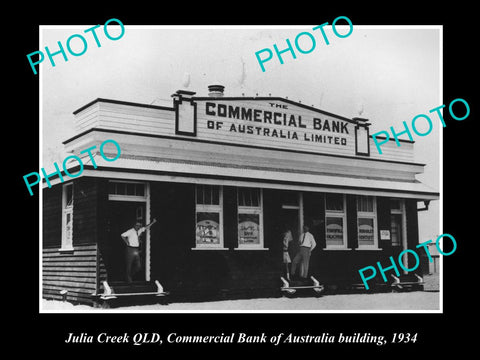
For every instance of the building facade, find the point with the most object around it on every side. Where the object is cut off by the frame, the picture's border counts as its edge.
(224, 177)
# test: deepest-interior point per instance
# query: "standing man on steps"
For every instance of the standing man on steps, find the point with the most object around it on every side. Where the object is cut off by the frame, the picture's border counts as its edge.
(132, 254)
(302, 259)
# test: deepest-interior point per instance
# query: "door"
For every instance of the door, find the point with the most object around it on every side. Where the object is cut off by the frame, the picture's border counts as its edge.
(122, 216)
(396, 226)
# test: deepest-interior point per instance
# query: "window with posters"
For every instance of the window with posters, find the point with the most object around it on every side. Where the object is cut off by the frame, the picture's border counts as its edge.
(209, 216)
(335, 221)
(250, 218)
(367, 222)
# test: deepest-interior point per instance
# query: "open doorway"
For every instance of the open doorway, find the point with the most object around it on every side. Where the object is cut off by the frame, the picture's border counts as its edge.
(122, 215)
(291, 218)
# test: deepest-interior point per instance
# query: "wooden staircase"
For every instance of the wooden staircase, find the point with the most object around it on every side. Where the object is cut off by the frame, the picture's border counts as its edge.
(134, 293)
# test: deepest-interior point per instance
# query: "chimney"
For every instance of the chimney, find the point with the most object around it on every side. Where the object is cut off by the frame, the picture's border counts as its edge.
(215, 90)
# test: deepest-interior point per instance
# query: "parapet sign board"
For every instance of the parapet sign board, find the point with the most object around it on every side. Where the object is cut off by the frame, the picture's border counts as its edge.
(270, 123)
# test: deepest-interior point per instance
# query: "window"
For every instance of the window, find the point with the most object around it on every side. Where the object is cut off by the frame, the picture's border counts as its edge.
(335, 221)
(367, 222)
(126, 191)
(67, 217)
(397, 221)
(334, 202)
(250, 218)
(140, 215)
(209, 217)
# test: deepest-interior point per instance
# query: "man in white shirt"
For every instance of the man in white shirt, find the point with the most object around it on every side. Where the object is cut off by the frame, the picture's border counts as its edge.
(132, 254)
(301, 261)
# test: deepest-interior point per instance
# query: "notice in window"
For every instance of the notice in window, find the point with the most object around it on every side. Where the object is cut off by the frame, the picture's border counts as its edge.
(365, 232)
(248, 229)
(334, 231)
(208, 229)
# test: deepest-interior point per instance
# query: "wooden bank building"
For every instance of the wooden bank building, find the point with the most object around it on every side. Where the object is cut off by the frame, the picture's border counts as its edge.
(224, 177)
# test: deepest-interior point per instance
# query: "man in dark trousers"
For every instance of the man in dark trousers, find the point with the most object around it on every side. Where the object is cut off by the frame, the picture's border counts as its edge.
(132, 254)
(301, 261)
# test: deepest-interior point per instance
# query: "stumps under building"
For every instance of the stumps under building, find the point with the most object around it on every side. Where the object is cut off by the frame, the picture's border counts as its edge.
(223, 176)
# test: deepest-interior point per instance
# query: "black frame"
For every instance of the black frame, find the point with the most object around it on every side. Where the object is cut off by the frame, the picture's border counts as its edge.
(176, 103)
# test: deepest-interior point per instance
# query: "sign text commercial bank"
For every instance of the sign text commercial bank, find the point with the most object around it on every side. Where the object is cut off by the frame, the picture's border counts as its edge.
(264, 118)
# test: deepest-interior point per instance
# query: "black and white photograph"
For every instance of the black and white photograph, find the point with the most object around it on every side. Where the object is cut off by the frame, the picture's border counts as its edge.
(282, 184)
(222, 181)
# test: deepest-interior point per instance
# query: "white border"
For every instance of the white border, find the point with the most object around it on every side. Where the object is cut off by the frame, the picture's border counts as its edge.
(243, 27)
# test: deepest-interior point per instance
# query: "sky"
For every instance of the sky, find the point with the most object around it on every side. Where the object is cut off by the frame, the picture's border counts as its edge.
(385, 74)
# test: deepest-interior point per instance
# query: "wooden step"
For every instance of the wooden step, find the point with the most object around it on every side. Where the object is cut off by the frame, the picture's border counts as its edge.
(295, 283)
(133, 287)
